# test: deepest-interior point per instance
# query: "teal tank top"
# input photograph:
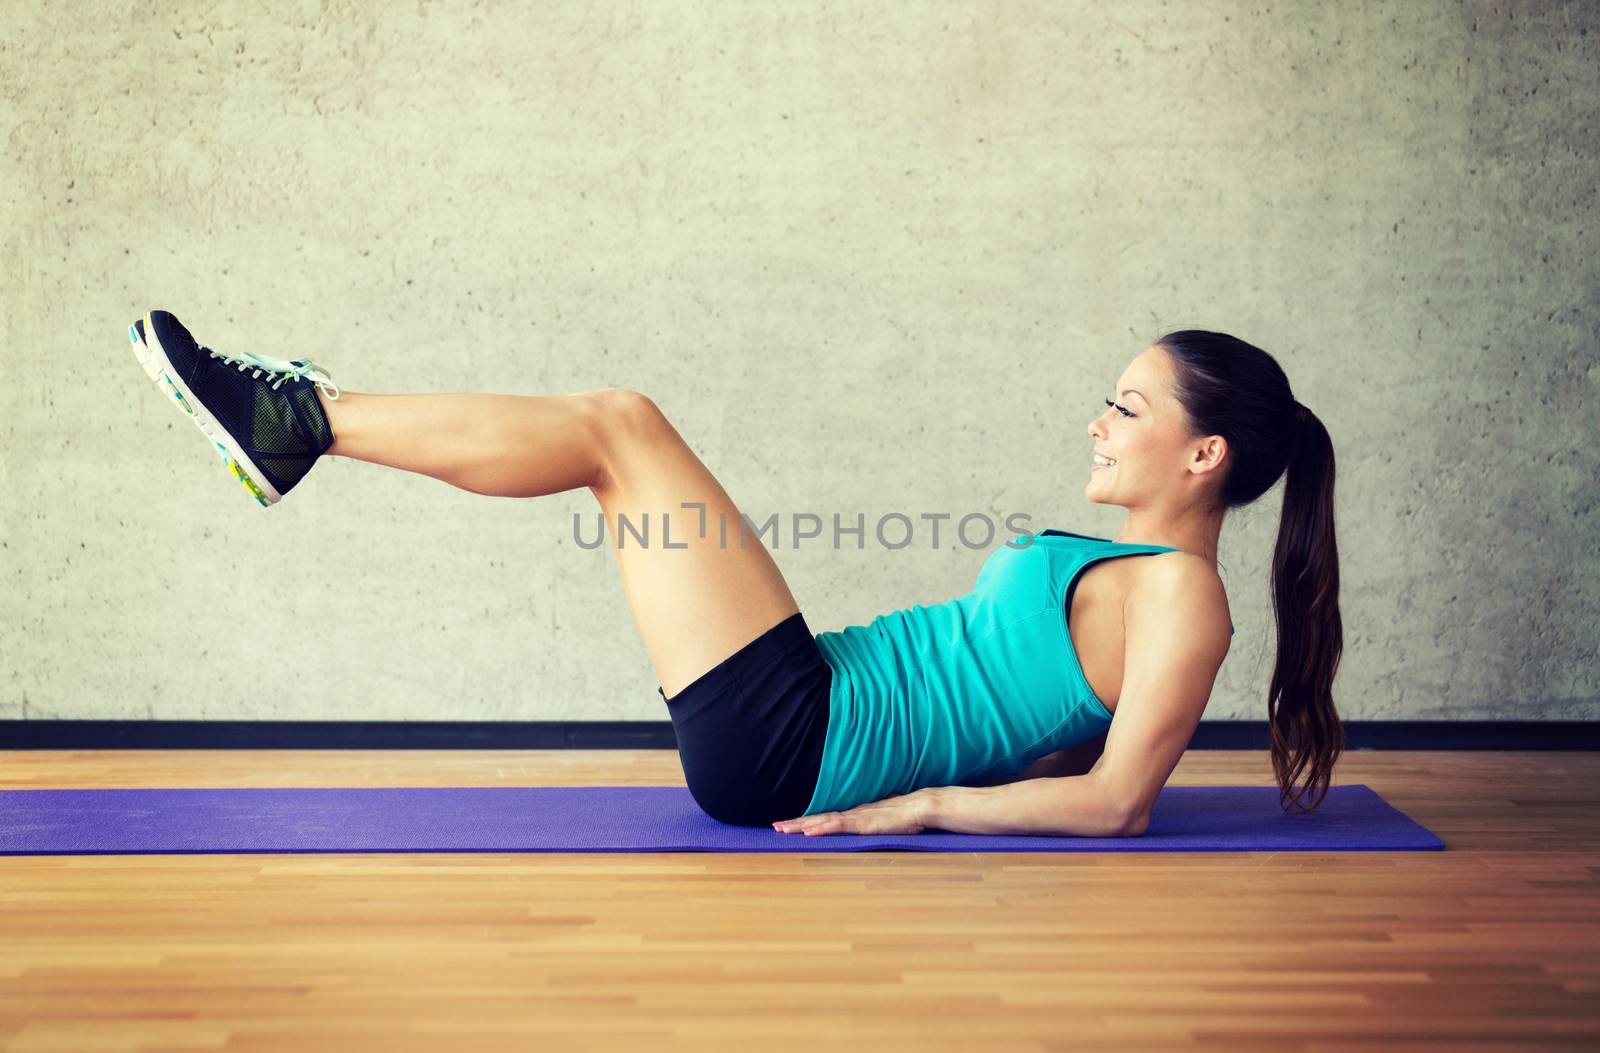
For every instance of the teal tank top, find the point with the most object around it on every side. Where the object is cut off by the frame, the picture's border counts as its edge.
(982, 685)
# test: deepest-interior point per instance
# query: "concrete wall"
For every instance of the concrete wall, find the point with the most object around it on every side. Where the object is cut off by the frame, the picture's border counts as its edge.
(869, 259)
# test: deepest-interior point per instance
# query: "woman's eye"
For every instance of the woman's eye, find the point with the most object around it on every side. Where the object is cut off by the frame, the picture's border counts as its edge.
(1119, 409)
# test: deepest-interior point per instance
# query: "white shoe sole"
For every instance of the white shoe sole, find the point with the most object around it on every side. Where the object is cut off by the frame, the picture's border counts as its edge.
(158, 367)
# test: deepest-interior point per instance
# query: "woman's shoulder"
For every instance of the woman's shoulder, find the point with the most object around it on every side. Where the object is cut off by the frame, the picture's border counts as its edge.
(1164, 576)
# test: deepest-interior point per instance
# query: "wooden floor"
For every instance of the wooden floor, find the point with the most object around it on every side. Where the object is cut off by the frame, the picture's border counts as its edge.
(1491, 944)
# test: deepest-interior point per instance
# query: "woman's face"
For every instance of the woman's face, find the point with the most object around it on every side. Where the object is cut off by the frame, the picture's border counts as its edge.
(1144, 432)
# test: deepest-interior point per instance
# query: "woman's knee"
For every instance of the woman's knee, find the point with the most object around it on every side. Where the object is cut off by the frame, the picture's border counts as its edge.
(623, 418)
(624, 407)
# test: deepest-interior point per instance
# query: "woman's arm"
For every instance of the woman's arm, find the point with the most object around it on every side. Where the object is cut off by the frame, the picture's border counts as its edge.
(1079, 806)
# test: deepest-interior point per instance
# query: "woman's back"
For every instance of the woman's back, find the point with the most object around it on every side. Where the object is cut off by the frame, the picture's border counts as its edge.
(982, 684)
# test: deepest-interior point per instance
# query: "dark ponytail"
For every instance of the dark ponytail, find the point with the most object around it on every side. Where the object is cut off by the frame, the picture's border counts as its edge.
(1306, 731)
(1238, 391)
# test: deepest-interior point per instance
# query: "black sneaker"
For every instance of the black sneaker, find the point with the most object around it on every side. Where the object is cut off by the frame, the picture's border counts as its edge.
(267, 424)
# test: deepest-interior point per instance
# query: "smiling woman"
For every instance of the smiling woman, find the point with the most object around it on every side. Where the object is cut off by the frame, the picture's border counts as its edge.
(884, 725)
(1208, 424)
(1202, 422)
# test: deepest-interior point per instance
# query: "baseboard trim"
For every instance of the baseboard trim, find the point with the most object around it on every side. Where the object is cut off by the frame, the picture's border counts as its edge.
(649, 734)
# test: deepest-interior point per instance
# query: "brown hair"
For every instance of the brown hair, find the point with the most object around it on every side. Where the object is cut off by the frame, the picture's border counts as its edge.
(1238, 391)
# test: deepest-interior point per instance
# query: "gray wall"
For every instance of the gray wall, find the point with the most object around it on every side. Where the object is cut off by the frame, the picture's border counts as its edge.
(868, 260)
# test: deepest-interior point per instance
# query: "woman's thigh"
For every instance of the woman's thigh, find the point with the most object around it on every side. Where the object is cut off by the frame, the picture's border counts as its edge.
(712, 591)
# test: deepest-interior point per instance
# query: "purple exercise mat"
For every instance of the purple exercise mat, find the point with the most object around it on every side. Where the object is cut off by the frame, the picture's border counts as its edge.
(624, 819)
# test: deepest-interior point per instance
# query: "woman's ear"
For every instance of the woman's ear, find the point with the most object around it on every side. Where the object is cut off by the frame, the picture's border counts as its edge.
(1209, 455)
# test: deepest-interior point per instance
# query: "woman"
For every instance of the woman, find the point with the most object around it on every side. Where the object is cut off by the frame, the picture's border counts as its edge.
(1066, 660)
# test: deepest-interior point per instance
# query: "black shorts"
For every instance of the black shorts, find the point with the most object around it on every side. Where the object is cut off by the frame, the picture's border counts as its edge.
(750, 729)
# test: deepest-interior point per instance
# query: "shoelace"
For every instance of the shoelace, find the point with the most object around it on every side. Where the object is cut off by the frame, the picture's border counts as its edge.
(291, 369)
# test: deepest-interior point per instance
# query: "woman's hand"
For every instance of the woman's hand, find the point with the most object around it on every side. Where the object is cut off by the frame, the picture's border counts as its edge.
(906, 814)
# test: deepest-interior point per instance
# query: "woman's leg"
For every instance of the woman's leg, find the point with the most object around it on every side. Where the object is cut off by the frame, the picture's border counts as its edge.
(696, 602)
(499, 445)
